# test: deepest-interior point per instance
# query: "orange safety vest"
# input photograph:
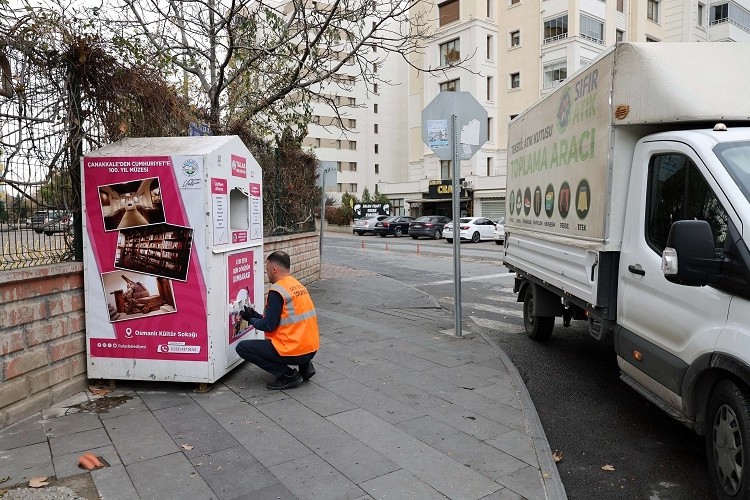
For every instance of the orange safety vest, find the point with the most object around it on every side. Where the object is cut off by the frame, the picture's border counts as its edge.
(297, 333)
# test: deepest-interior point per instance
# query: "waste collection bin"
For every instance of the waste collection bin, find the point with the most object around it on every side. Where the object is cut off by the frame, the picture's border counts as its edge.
(173, 249)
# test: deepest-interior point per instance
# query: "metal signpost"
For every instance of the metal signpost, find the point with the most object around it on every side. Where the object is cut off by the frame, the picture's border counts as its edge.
(454, 127)
(327, 174)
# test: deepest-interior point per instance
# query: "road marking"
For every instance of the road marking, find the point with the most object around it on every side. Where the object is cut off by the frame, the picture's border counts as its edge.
(502, 298)
(490, 323)
(473, 278)
(500, 311)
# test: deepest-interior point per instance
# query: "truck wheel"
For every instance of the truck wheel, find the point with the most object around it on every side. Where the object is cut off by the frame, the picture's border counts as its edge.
(727, 440)
(537, 327)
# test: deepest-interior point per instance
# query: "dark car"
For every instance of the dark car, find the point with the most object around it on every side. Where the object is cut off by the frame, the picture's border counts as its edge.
(51, 221)
(366, 224)
(397, 226)
(428, 225)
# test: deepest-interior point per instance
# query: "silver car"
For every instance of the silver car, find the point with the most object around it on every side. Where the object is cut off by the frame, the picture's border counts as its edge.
(366, 224)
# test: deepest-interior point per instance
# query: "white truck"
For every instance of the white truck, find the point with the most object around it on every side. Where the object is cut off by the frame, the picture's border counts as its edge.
(629, 207)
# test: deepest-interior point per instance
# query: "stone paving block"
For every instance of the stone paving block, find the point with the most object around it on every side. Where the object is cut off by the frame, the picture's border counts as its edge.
(413, 363)
(168, 476)
(262, 437)
(527, 482)
(516, 443)
(375, 402)
(313, 478)
(156, 399)
(468, 422)
(81, 441)
(139, 437)
(71, 424)
(219, 397)
(189, 424)
(320, 400)
(67, 465)
(113, 483)
(400, 484)
(129, 407)
(429, 430)
(397, 389)
(501, 393)
(27, 431)
(21, 464)
(349, 456)
(233, 472)
(466, 376)
(505, 494)
(481, 457)
(276, 491)
(441, 472)
(441, 358)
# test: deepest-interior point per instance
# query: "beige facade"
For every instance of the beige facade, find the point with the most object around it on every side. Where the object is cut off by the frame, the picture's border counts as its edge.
(513, 52)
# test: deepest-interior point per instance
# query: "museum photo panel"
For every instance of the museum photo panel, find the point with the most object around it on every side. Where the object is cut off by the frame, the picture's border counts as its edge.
(161, 249)
(132, 295)
(131, 204)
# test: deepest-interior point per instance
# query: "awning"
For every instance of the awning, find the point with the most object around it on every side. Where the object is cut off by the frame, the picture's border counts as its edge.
(435, 200)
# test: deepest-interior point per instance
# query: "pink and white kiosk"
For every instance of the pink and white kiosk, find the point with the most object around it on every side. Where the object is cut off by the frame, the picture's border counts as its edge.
(173, 249)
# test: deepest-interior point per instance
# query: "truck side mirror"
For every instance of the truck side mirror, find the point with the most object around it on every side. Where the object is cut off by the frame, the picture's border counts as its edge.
(690, 257)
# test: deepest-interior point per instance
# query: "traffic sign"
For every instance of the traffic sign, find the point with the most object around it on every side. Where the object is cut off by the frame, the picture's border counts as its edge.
(471, 124)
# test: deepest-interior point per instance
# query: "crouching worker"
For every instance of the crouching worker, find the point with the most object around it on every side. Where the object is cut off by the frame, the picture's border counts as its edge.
(291, 327)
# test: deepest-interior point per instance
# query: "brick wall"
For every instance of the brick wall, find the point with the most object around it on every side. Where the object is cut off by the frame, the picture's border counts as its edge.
(42, 328)
(42, 338)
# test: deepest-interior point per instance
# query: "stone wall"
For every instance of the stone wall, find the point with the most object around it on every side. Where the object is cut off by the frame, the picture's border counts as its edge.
(43, 335)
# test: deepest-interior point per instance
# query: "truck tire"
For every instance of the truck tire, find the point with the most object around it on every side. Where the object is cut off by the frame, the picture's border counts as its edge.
(537, 327)
(728, 441)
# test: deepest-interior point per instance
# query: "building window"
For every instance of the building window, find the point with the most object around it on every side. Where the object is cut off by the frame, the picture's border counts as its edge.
(490, 89)
(619, 36)
(620, 5)
(375, 128)
(338, 166)
(652, 10)
(448, 11)
(374, 67)
(515, 38)
(515, 80)
(490, 44)
(377, 149)
(353, 187)
(445, 169)
(490, 138)
(352, 123)
(450, 86)
(450, 52)
(555, 73)
(352, 145)
(490, 5)
(352, 101)
(339, 187)
(701, 14)
(375, 108)
(375, 88)
(338, 144)
(397, 206)
(719, 13)
(592, 29)
(377, 168)
(353, 166)
(556, 29)
(489, 166)
(317, 142)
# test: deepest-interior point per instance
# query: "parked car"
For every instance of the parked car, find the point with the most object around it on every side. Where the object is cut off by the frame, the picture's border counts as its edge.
(471, 228)
(51, 221)
(397, 225)
(366, 224)
(500, 231)
(428, 225)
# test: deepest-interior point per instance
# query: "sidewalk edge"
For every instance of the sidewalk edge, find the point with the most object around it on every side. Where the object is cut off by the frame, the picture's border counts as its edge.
(553, 485)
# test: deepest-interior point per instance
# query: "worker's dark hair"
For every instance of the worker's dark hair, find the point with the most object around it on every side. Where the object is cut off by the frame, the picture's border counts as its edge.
(280, 258)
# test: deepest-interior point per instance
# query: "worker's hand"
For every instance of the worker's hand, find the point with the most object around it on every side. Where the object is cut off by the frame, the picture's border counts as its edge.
(248, 313)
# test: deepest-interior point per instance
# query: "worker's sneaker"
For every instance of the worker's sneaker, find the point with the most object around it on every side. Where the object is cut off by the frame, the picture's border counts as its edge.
(285, 382)
(307, 371)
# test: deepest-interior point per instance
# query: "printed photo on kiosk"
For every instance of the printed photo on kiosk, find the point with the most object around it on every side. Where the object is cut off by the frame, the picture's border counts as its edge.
(131, 204)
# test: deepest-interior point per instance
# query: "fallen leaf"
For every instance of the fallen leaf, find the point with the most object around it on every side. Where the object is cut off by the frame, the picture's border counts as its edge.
(99, 390)
(608, 467)
(3, 479)
(557, 456)
(38, 482)
(187, 447)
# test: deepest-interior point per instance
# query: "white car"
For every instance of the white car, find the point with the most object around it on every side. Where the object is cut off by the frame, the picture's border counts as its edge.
(475, 229)
(500, 231)
(366, 225)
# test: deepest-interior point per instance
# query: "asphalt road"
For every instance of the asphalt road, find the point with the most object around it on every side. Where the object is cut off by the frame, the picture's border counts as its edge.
(588, 414)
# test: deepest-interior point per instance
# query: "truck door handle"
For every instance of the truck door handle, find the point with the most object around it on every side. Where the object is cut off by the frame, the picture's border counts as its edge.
(636, 270)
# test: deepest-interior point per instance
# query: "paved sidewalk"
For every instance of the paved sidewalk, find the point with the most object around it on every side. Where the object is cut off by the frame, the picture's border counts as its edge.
(399, 409)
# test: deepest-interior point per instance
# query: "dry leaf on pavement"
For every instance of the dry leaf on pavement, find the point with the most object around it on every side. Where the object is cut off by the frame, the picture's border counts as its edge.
(608, 467)
(557, 456)
(38, 482)
(187, 447)
(98, 390)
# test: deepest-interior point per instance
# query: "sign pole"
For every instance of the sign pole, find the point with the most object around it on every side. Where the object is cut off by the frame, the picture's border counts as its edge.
(456, 229)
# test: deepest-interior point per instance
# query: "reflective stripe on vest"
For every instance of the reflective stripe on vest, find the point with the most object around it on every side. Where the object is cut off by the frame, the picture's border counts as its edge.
(289, 339)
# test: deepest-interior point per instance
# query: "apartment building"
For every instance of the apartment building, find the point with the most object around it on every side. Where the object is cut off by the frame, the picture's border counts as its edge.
(514, 52)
